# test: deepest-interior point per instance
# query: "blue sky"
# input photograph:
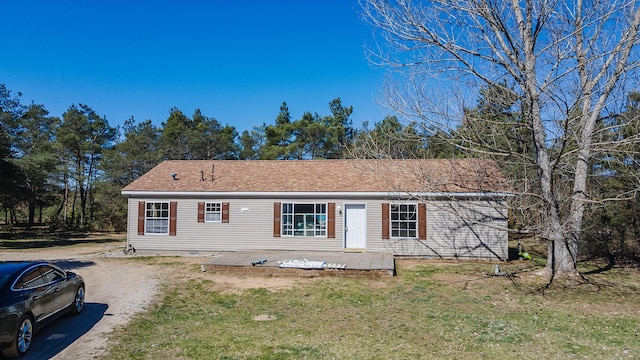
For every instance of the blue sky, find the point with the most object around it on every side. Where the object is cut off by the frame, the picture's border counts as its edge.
(235, 60)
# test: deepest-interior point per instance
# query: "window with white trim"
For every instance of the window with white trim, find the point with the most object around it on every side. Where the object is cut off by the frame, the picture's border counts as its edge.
(213, 212)
(404, 220)
(157, 218)
(304, 219)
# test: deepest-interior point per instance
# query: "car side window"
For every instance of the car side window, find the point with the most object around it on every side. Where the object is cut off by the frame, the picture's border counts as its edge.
(30, 279)
(51, 274)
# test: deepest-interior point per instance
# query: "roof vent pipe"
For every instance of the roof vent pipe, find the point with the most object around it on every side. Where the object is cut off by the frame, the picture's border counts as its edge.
(201, 175)
(174, 176)
(213, 167)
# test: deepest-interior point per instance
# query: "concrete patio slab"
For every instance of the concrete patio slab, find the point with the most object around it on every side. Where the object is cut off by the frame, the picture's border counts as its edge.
(268, 262)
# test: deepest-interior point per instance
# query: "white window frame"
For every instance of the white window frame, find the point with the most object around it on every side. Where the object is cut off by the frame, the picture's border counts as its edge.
(312, 224)
(210, 212)
(403, 221)
(153, 215)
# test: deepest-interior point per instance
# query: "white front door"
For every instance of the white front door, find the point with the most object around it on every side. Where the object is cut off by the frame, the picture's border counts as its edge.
(355, 226)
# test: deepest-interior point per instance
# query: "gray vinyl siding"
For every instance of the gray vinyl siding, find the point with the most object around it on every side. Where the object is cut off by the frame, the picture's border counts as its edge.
(374, 227)
(250, 227)
(455, 229)
(459, 229)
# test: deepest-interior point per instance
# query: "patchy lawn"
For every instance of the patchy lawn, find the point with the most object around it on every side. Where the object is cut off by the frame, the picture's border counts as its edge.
(432, 309)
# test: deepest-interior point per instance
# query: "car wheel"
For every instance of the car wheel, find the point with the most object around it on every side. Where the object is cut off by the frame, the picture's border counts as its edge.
(22, 339)
(78, 301)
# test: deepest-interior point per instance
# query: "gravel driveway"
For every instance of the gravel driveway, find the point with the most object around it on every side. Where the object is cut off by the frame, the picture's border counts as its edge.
(116, 287)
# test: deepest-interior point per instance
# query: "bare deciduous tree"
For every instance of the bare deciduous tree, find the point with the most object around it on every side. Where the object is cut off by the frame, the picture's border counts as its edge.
(568, 64)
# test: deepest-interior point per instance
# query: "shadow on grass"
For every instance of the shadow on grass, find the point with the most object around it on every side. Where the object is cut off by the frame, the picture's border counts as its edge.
(600, 270)
(38, 240)
(623, 261)
(39, 244)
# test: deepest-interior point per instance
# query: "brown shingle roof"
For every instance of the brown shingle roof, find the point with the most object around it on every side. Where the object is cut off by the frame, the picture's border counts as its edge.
(433, 175)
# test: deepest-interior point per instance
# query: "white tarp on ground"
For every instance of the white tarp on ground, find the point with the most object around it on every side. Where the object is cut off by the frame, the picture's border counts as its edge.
(301, 264)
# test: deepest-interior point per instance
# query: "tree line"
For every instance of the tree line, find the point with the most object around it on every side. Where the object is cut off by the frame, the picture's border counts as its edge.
(67, 173)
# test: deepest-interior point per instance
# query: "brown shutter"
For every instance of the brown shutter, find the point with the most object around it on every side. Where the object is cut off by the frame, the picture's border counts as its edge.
(276, 219)
(225, 212)
(173, 209)
(422, 221)
(331, 221)
(200, 212)
(142, 209)
(385, 220)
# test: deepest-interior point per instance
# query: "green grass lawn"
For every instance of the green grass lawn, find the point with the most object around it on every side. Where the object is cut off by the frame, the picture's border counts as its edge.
(431, 310)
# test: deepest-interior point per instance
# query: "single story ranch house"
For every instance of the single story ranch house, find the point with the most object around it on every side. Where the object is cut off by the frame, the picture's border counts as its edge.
(444, 208)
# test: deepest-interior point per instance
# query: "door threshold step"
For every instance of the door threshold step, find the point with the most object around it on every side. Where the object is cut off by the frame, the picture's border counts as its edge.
(355, 250)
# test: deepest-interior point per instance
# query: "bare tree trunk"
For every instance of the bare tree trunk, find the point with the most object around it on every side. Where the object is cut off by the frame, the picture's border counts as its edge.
(62, 209)
(560, 262)
(12, 213)
(83, 201)
(73, 206)
(32, 212)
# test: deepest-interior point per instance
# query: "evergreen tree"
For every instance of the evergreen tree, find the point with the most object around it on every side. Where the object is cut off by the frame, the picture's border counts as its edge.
(37, 160)
(83, 137)
(137, 152)
(612, 227)
(174, 139)
(309, 137)
(11, 178)
(495, 128)
(339, 133)
(391, 139)
(279, 137)
(252, 143)
(199, 138)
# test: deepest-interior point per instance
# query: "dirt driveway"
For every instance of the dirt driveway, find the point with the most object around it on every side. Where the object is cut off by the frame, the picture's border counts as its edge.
(117, 288)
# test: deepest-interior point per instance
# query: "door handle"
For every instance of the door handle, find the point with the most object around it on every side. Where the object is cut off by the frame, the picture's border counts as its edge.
(57, 290)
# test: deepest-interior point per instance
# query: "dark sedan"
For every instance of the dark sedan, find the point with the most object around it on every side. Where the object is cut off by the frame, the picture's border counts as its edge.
(32, 294)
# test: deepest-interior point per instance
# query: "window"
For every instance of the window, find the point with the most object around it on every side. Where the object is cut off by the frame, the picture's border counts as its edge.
(213, 212)
(304, 219)
(31, 279)
(51, 274)
(404, 220)
(157, 218)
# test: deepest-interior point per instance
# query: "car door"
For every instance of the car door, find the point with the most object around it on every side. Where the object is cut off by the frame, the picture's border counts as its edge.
(55, 281)
(40, 299)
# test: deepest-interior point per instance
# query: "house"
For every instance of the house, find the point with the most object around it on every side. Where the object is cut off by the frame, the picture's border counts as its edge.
(453, 208)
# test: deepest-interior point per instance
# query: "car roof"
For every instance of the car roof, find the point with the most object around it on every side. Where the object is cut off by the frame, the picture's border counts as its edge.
(10, 269)
(14, 267)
